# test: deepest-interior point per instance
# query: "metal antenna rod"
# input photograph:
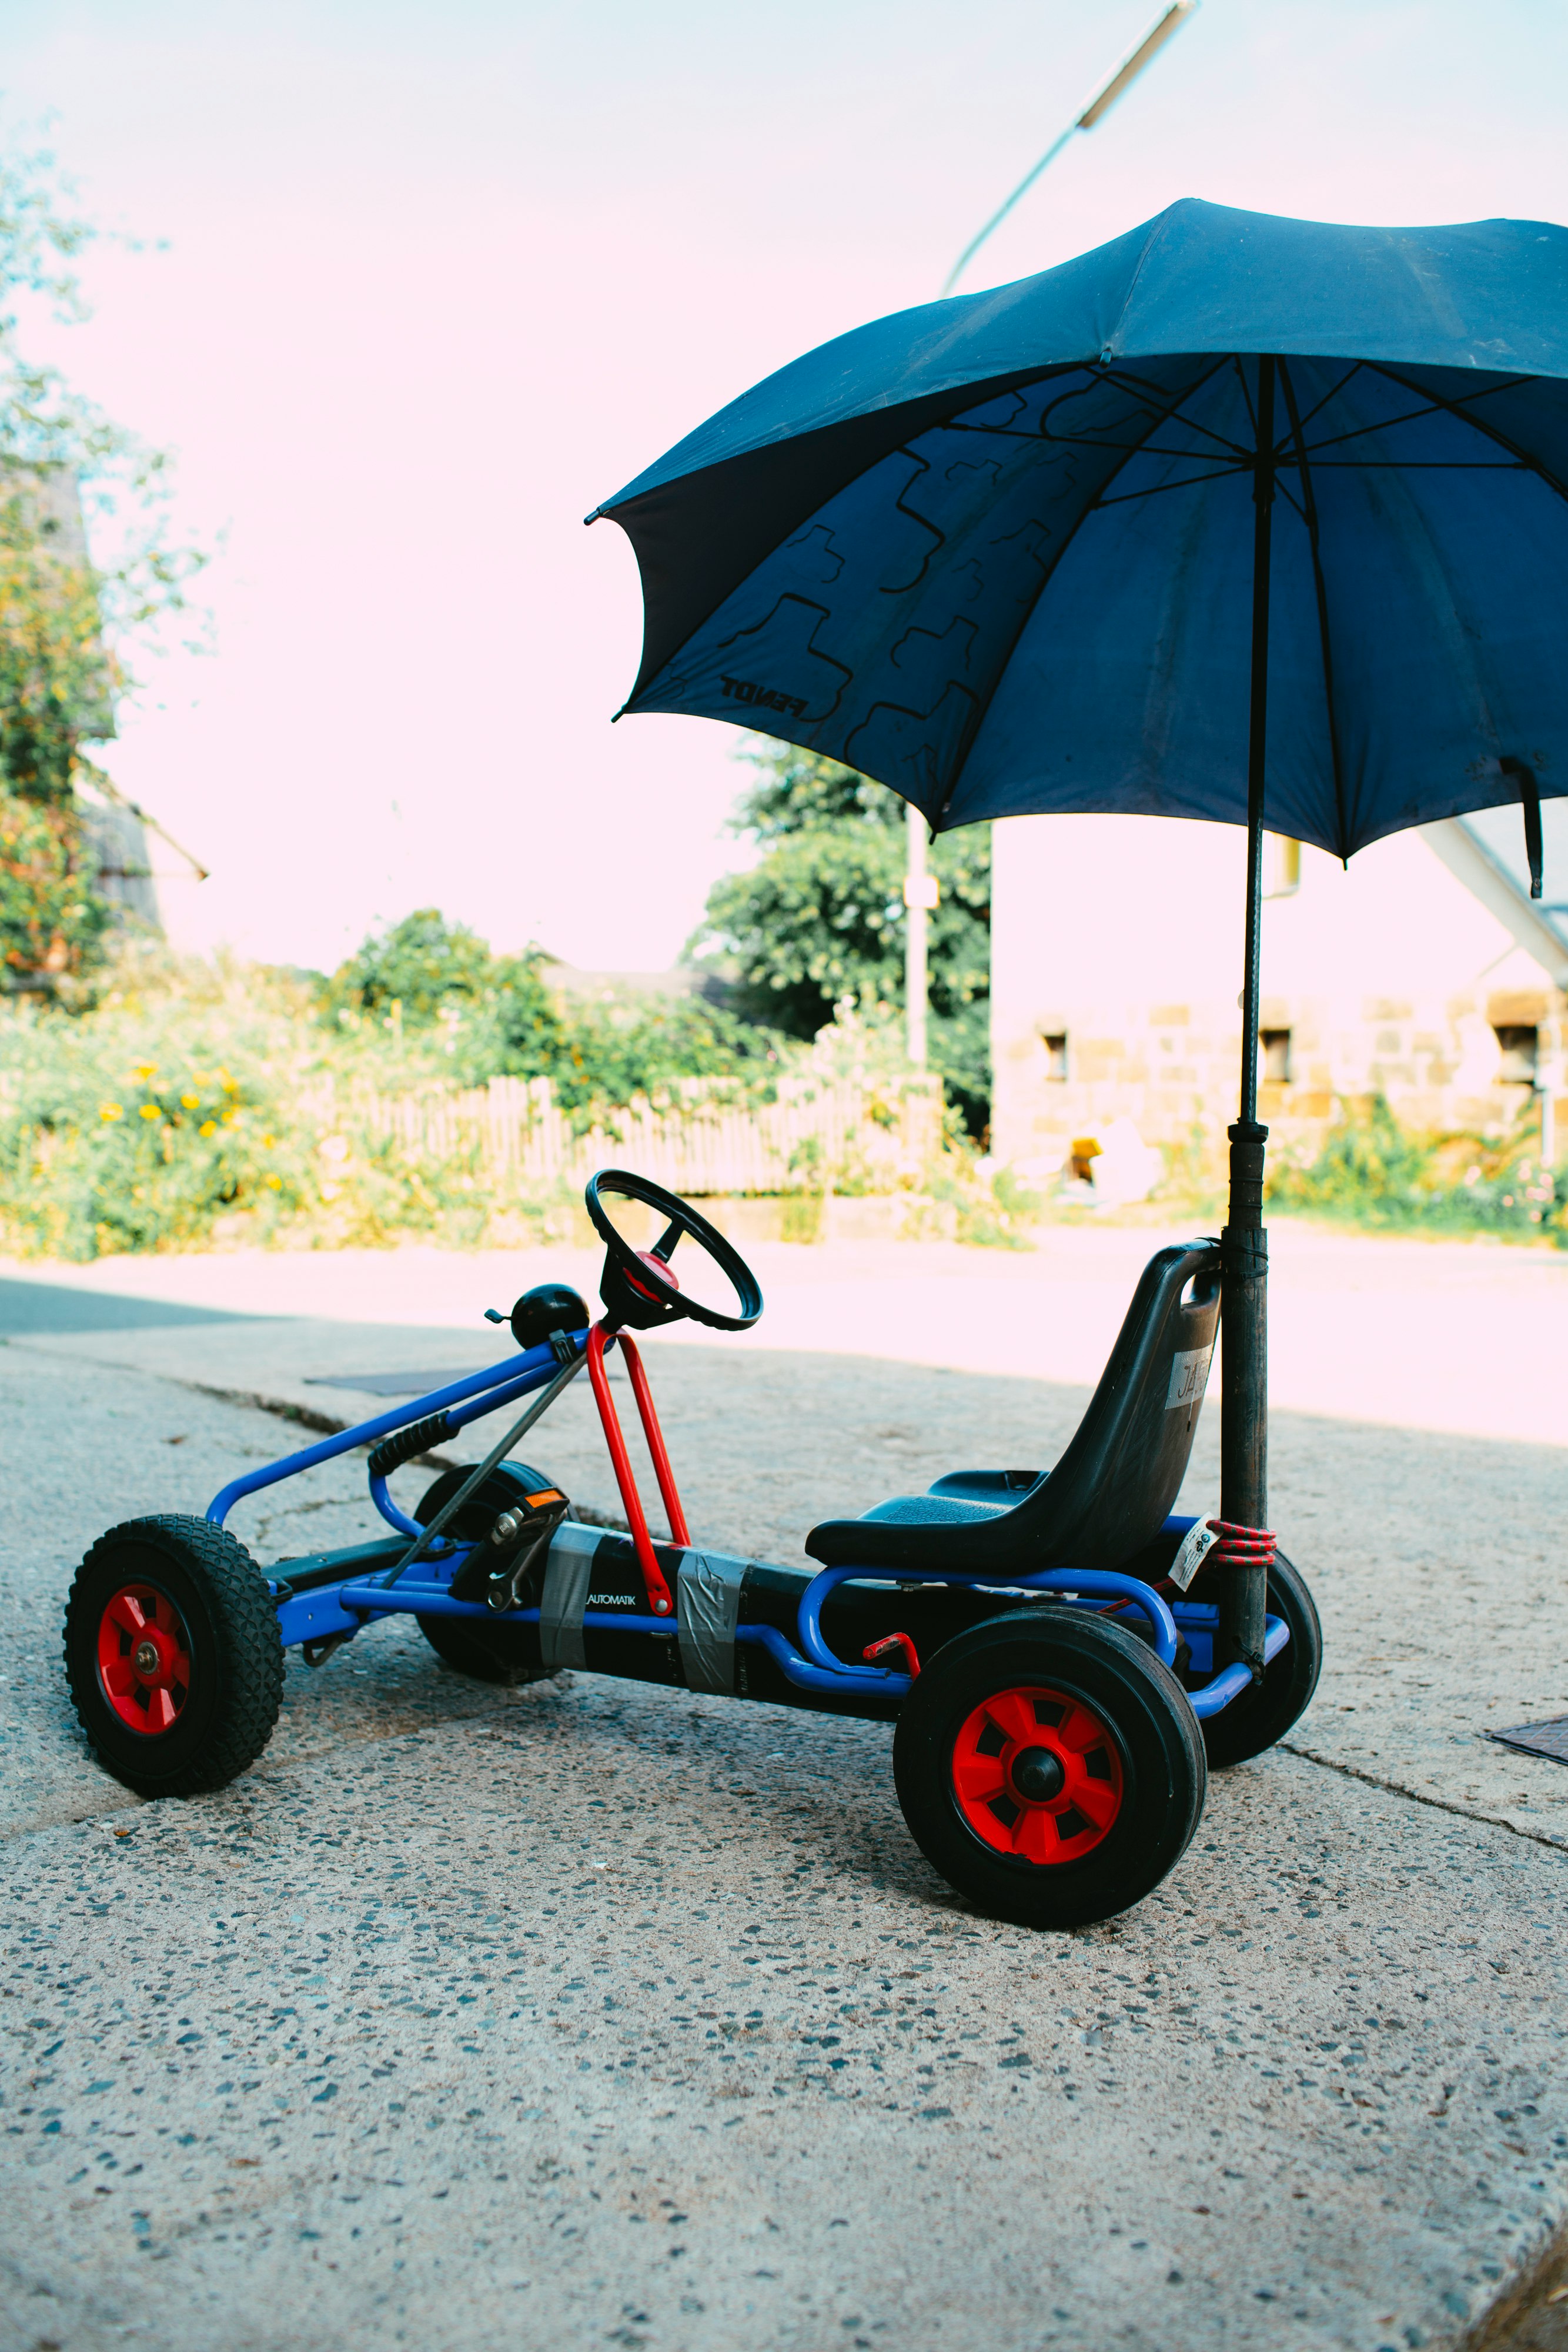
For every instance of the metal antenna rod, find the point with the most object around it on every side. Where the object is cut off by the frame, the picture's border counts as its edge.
(1099, 106)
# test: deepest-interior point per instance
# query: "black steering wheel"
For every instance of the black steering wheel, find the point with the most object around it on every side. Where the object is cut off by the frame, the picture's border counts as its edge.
(637, 1285)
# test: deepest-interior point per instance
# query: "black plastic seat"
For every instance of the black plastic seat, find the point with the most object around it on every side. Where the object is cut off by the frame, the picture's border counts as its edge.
(1107, 1498)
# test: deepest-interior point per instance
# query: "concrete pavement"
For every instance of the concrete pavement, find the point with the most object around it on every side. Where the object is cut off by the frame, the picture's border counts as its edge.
(598, 2013)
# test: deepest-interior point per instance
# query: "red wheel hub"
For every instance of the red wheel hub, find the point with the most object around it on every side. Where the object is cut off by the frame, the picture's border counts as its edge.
(144, 1659)
(1037, 1774)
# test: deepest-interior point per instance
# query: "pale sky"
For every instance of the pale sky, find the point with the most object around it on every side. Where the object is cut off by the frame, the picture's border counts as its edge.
(441, 277)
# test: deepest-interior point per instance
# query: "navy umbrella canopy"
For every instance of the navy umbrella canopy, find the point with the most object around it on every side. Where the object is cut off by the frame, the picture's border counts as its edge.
(1239, 518)
(997, 552)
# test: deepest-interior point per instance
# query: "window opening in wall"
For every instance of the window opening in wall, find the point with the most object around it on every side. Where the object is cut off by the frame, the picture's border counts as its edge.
(1519, 1048)
(1286, 877)
(1276, 1045)
(1055, 1043)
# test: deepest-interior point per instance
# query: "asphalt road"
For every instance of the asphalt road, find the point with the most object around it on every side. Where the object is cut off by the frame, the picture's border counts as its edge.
(593, 2014)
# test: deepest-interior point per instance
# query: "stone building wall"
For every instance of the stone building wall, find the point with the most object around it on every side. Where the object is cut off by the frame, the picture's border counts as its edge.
(1391, 980)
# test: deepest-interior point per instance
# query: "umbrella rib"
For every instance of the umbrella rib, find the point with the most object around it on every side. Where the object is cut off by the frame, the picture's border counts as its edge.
(1292, 500)
(1145, 449)
(1433, 407)
(1332, 393)
(1423, 465)
(1088, 441)
(1531, 465)
(1246, 398)
(1170, 412)
(1046, 578)
(1189, 482)
(1309, 517)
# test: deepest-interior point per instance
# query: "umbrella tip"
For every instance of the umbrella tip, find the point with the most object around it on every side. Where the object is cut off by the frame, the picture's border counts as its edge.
(593, 517)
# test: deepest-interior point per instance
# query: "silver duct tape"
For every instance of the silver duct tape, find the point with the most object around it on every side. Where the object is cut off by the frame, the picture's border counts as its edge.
(707, 1598)
(565, 1596)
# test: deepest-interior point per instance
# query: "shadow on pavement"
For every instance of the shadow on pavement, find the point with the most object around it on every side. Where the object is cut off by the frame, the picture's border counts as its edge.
(27, 1306)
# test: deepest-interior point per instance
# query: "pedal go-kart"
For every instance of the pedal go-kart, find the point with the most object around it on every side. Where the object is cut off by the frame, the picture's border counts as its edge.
(1044, 1642)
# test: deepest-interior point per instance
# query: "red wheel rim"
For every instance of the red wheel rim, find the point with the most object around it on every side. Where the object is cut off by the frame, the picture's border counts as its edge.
(1036, 1776)
(144, 1659)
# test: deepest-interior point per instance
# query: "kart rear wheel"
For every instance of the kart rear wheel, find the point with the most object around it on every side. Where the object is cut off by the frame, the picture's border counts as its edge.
(1049, 1767)
(1260, 1717)
(173, 1655)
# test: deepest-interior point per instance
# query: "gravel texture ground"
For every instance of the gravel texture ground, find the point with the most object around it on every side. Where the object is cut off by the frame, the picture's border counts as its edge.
(599, 2014)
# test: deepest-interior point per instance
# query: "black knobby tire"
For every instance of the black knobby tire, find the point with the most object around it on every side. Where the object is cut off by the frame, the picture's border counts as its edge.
(508, 1654)
(1260, 1717)
(1149, 1759)
(205, 1603)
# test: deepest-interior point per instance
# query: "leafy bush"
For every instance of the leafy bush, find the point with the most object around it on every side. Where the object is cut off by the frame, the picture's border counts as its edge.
(1374, 1173)
(184, 1104)
(51, 917)
(190, 1105)
(135, 1127)
(476, 1016)
(420, 966)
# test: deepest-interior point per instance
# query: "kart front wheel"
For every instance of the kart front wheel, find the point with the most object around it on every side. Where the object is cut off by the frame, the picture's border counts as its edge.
(1049, 1767)
(173, 1655)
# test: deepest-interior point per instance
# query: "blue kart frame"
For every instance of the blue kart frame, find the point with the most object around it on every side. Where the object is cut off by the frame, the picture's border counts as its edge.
(339, 1594)
(1053, 1726)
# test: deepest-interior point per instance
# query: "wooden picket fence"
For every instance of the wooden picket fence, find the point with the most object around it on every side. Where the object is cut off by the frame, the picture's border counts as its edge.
(818, 1134)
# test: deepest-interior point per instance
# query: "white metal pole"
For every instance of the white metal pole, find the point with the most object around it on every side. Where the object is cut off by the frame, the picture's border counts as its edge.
(1099, 106)
(921, 893)
(1547, 1077)
(916, 881)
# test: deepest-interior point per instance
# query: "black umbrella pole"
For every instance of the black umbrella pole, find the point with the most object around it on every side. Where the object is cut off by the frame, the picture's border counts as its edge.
(1244, 1244)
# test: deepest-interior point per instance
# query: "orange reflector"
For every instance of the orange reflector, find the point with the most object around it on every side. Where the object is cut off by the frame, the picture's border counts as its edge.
(550, 1495)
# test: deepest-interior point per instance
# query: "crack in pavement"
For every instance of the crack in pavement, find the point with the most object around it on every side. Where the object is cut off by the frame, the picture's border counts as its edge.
(1416, 1797)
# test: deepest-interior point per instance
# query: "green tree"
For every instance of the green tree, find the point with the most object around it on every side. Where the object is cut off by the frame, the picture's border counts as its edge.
(51, 919)
(498, 1017)
(821, 916)
(58, 679)
(422, 965)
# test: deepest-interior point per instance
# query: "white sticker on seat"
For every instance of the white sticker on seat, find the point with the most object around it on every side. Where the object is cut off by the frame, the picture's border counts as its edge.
(1189, 1377)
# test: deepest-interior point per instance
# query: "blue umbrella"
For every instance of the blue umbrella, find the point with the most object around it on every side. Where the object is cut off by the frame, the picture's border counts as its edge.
(1235, 517)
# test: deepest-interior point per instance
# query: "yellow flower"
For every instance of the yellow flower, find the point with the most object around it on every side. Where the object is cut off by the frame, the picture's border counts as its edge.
(145, 1070)
(151, 1110)
(230, 1117)
(190, 1102)
(267, 1141)
(275, 1183)
(208, 1126)
(112, 1110)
